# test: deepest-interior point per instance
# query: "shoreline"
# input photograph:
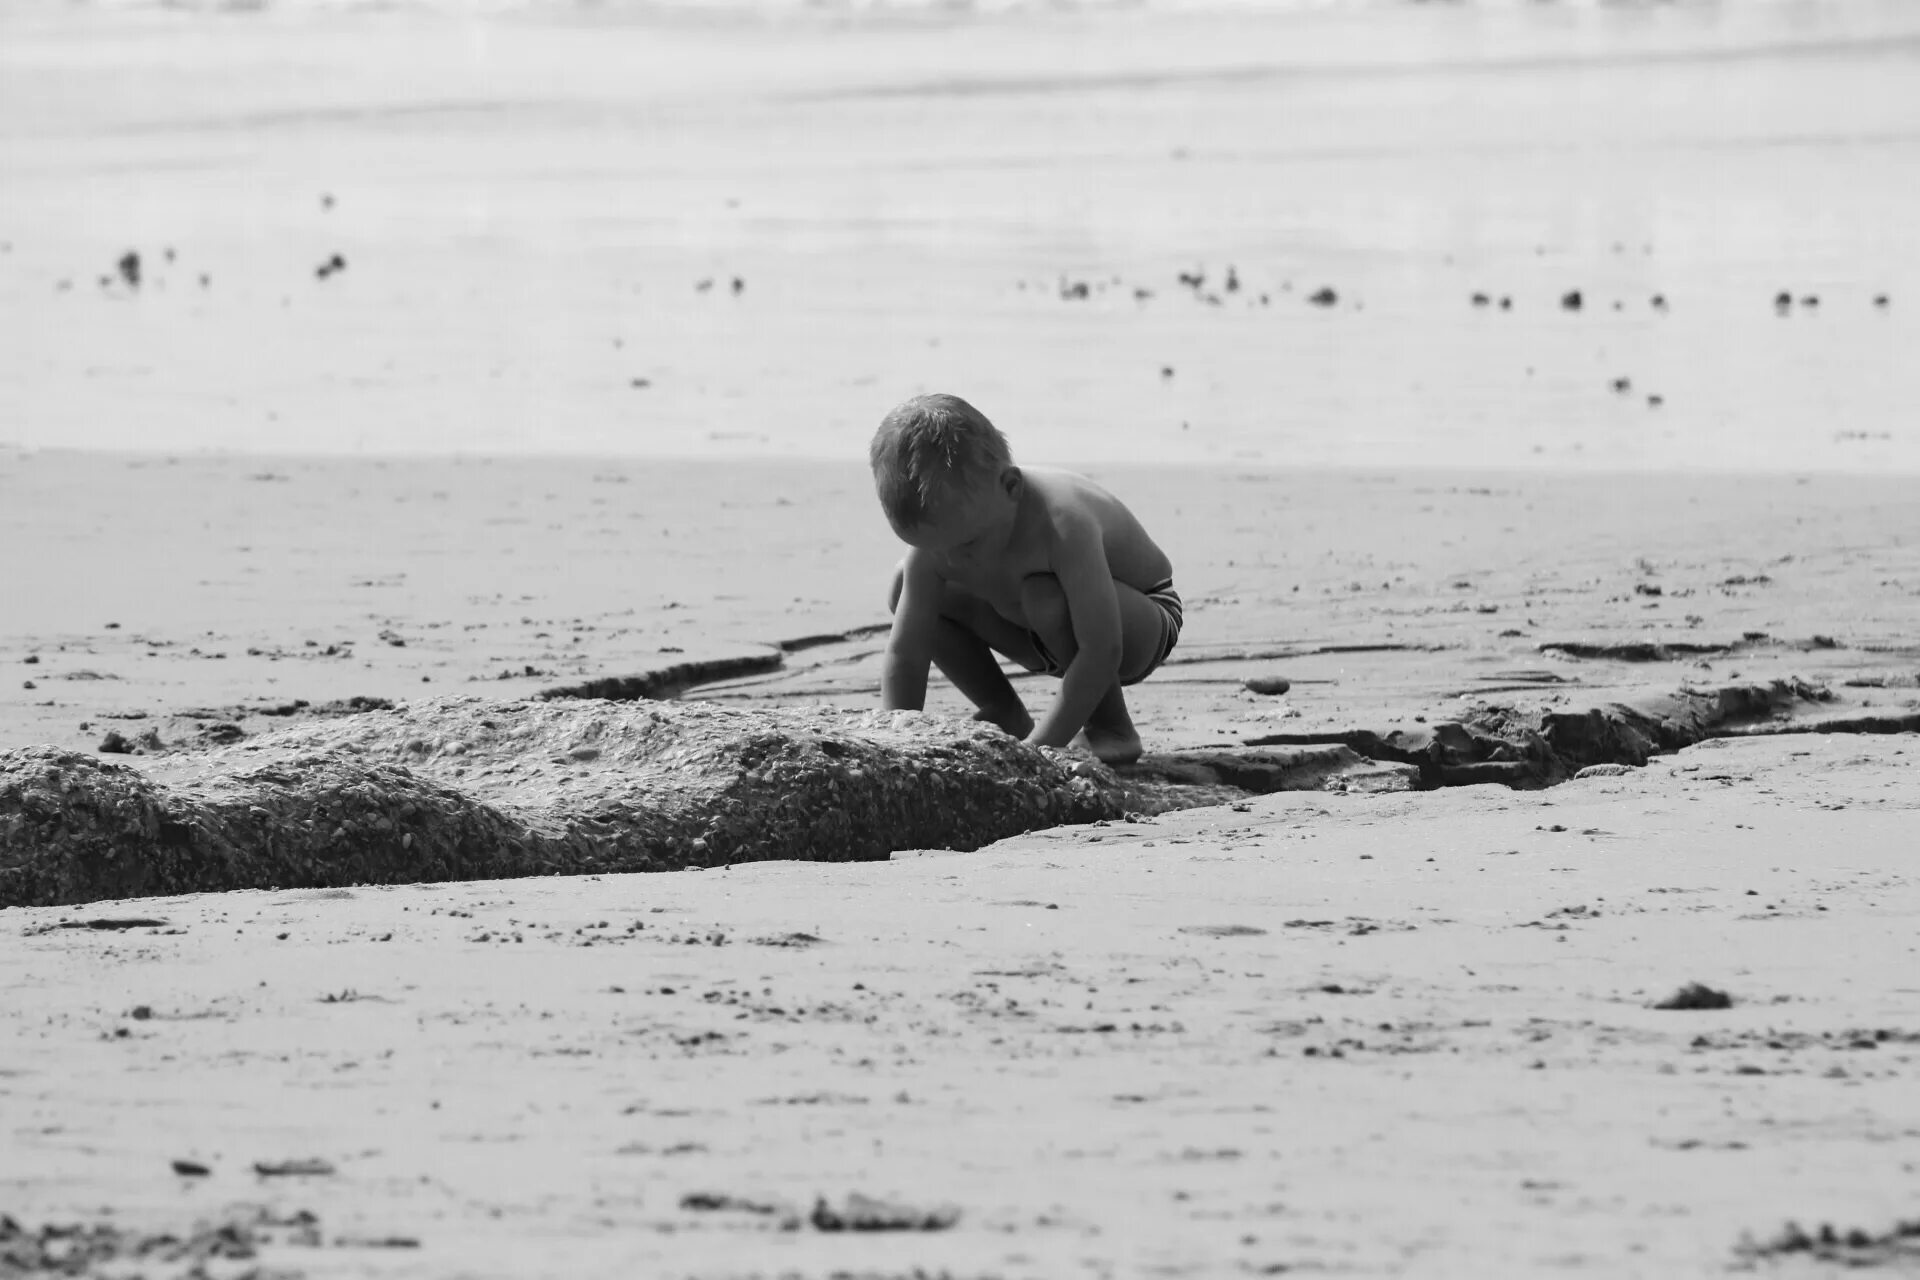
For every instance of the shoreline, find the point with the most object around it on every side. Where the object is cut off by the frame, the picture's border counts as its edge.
(537, 270)
(852, 458)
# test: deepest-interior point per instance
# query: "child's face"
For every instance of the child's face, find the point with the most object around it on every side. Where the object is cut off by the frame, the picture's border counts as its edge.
(972, 524)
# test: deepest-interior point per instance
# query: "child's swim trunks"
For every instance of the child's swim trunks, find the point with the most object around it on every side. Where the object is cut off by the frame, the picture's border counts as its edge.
(1172, 615)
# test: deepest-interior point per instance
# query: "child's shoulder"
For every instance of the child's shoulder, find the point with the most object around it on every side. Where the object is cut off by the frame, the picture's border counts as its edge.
(1056, 484)
(1064, 492)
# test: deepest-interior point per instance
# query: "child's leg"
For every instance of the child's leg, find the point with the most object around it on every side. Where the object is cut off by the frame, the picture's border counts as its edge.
(1109, 729)
(963, 649)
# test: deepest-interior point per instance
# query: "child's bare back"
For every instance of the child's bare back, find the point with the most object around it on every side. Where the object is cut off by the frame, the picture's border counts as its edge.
(1040, 565)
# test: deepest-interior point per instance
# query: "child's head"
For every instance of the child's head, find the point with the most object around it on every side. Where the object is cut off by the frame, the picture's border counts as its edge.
(931, 450)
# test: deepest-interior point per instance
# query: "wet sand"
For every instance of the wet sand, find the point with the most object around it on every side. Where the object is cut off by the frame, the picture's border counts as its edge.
(541, 222)
(233, 587)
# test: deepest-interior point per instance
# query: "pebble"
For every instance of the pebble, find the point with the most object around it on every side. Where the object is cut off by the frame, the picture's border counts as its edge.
(1603, 771)
(1270, 685)
(1696, 995)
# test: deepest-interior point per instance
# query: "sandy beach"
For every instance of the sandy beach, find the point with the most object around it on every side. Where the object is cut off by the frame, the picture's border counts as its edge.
(359, 356)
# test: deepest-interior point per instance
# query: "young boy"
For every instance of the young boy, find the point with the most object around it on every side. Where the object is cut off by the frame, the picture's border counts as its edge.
(1043, 566)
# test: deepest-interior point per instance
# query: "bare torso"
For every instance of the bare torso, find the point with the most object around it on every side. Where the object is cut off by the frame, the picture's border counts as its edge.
(995, 575)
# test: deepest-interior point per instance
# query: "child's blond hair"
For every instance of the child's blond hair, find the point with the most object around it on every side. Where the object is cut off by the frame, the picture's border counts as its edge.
(930, 448)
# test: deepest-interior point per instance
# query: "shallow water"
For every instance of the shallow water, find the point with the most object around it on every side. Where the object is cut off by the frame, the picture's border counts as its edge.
(529, 199)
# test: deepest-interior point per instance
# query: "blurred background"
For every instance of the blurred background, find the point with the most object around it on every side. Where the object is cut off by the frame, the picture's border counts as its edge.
(1540, 234)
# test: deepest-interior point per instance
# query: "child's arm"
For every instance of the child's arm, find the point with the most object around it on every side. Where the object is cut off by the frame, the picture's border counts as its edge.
(903, 671)
(1080, 565)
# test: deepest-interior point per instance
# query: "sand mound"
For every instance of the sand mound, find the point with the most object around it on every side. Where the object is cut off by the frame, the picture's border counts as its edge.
(1533, 746)
(468, 788)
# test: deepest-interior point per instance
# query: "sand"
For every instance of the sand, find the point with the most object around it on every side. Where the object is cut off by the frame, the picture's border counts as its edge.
(1394, 1035)
(1106, 1049)
(509, 443)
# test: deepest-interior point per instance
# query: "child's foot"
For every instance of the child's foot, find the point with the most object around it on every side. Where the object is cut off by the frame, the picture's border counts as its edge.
(1114, 746)
(1110, 732)
(1013, 720)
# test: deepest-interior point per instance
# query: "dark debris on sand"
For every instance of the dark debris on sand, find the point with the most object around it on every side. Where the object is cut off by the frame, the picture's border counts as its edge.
(1854, 1248)
(111, 1247)
(1696, 995)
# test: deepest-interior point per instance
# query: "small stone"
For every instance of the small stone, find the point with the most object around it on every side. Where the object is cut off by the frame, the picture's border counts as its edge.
(1603, 771)
(303, 1168)
(1572, 300)
(1269, 685)
(1696, 995)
